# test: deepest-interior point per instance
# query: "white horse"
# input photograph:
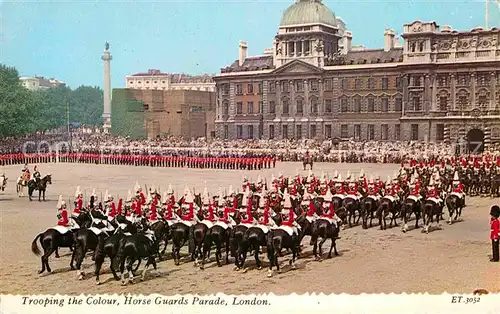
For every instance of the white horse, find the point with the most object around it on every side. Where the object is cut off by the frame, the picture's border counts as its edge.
(3, 182)
(21, 184)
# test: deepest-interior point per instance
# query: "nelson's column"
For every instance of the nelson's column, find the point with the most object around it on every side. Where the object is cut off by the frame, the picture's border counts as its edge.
(106, 57)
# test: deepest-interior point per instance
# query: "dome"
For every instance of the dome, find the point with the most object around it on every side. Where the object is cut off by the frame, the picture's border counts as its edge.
(308, 12)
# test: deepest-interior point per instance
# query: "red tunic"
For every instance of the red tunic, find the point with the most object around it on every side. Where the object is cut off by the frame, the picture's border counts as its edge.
(154, 215)
(330, 212)
(416, 190)
(459, 188)
(249, 218)
(63, 221)
(113, 211)
(211, 214)
(311, 210)
(265, 216)
(190, 214)
(169, 212)
(339, 189)
(79, 205)
(227, 211)
(495, 229)
(291, 219)
(353, 190)
(433, 192)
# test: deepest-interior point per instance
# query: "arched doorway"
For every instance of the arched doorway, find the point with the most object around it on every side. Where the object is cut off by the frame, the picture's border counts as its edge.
(475, 141)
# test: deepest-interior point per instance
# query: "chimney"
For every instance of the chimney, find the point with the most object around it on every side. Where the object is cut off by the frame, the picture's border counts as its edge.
(348, 41)
(242, 52)
(389, 36)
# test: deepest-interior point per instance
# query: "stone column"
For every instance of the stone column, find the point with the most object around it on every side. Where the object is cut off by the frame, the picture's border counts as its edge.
(292, 110)
(453, 104)
(106, 57)
(493, 91)
(405, 94)
(427, 93)
(434, 99)
(307, 112)
(473, 98)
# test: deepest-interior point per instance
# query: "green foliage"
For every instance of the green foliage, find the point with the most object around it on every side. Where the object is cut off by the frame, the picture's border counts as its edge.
(23, 111)
(127, 118)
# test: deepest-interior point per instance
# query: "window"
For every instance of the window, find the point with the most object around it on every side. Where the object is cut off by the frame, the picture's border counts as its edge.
(384, 132)
(250, 88)
(284, 86)
(272, 87)
(371, 83)
(250, 131)
(239, 89)
(439, 132)
(385, 104)
(443, 103)
(399, 104)
(416, 81)
(371, 132)
(239, 108)
(415, 104)
(225, 108)
(286, 106)
(343, 104)
(344, 131)
(421, 46)
(298, 131)
(314, 85)
(314, 105)
(414, 132)
(397, 132)
(261, 89)
(313, 131)
(271, 132)
(272, 107)
(357, 83)
(328, 106)
(328, 85)
(399, 83)
(328, 131)
(463, 102)
(259, 109)
(300, 106)
(385, 83)
(239, 131)
(299, 85)
(371, 104)
(225, 89)
(345, 83)
(357, 131)
(482, 101)
(357, 104)
(226, 132)
(250, 107)
(285, 131)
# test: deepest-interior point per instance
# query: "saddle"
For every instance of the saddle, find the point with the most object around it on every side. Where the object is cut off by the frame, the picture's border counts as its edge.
(288, 229)
(207, 223)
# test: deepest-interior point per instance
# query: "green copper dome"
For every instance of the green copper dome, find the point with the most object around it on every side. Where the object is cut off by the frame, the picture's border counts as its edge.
(308, 12)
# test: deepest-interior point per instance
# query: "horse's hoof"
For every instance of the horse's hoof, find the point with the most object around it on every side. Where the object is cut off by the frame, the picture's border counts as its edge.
(40, 272)
(245, 270)
(269, 274)
(259, 268)
(124, 283)
(202, 267)
(80, 277)
(98, 282)
(72, 267)
(294, 266)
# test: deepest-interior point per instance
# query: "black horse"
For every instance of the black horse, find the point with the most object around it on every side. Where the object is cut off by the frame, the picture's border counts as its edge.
(278, 239)
(430, 209)
(387, 207)
(455, 206)
(219, 236)
(162, 231)
(52, 239)
(368, 207)
(253, 239)
(136, 247)
(351, 205)
(108, 247)
(410, 205)
(40, 185)
(325, 230)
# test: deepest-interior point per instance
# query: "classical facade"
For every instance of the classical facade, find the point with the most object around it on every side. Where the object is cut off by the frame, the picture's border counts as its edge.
(40, 82)
(157, 80)
(434, 84)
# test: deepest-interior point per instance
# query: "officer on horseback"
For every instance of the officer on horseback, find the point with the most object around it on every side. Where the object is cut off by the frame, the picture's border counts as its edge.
(36, 174)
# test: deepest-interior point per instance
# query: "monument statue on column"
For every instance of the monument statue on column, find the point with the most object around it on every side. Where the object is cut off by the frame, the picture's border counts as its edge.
(106, 57)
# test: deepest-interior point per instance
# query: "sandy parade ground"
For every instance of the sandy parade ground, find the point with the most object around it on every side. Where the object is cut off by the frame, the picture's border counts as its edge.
(453, 259)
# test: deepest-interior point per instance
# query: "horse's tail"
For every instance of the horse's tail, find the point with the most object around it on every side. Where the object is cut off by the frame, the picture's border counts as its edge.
(34, 246)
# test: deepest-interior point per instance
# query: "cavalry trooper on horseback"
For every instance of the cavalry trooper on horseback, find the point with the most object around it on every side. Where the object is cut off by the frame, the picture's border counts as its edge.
(352, 187)
(414, 186)
(78, 202)
(458, 188)
(62, 213)
(169, 208)
(208, 210)
(433, 193)
(36, 175)
(373, 189)
(288, 223)
(246, 210)
(264, 214)
(329, 210)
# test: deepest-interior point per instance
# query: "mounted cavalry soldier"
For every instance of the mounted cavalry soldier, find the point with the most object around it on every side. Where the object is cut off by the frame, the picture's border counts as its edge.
(288, 223)
(338, 187)
(62, 213)
(247, 212)
(170, 195)
(169, 210)
(3, 181)
(78, 202)
(329, 210)
(458, 188)
(433, 192)
(208, 210)
(353, 188)
(373, 189)
(36, 174)
(187, 210)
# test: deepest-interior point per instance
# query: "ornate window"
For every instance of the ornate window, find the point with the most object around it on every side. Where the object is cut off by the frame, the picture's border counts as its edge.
(385, 104)
(345, 83)
(385, 83)
(343, 104)
(239, 89)
(328, 85)
(371, 104)
(344, 131)
(357, 104)
(271, 132)
(284, 86)
(285, 105)
(250, 88)
(314, 85)
(371, 132)
(398, 104)
(463, 99)
(299, 106)
(314, 105)
(239, 108)
(272, 87)
(272, 106)
(371, 83)
(250, 107)
(358, 83)
(443, 103)
(328, 106)
(299, 86)
(225, 107)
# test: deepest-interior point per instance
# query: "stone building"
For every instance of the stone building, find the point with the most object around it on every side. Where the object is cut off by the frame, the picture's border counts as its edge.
(155, 79)
(152, 113)
(438, 84)
(40, 82)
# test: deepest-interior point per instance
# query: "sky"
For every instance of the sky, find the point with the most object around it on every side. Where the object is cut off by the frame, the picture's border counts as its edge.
(65, 39)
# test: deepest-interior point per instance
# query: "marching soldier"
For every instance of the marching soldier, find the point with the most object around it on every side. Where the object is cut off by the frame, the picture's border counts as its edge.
(495, 232)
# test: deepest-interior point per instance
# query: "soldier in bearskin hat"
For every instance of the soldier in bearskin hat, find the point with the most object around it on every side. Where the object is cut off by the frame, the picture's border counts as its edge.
(495, 231)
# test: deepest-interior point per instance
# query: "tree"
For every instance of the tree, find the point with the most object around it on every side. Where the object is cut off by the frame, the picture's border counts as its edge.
(23, 111)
